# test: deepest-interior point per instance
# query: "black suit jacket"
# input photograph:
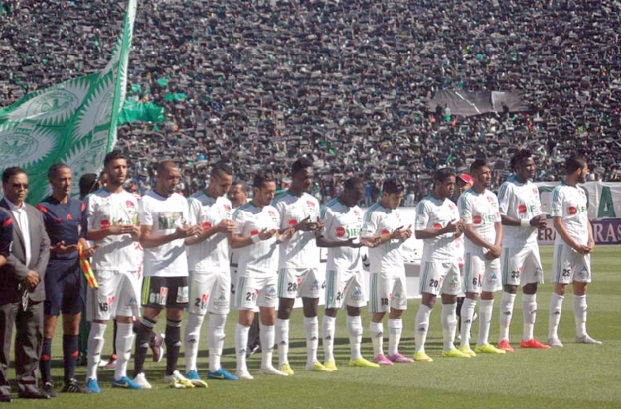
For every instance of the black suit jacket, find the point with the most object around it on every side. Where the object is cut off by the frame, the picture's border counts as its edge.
(15, 271)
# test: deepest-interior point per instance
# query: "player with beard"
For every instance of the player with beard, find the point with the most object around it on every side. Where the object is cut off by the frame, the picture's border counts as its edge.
(572, 250)
(112, 225)
(164, 226)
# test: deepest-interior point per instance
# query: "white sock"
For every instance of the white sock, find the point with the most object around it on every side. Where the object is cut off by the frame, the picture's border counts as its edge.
(377, 337)
(580, 313)
(505, 315)
(395, 328)
(449, 325)
(192, 336)
(95, 345)
(311, 329)
(215, 337)
(485, 320)
(282, 340)
(241, 342)
(267, 337)
(328, 327)
(556, 305)
(529, 306)
(467, 313)
(354, 326)
(422, 327)
(123, 342)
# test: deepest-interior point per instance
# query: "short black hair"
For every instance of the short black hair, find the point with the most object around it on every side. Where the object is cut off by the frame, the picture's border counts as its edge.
(87, 183)
(573, 163)
(301, 164)
(221, 168)
(53, 170)
(442, 174)
(352, 182)
(244, 185)
(519, 156)
(478, 164)
(10, 172)
(113, 155)
(165, 164)
(261, 178)
(392, 186)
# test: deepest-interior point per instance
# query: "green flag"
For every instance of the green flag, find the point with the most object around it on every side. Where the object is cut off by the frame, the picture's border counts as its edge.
(141, 111)
(72, 122)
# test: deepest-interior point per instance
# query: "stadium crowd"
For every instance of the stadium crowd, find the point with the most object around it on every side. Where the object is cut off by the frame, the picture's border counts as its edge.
(258, 83)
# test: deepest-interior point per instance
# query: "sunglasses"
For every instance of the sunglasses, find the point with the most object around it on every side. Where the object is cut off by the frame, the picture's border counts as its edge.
(20, 185)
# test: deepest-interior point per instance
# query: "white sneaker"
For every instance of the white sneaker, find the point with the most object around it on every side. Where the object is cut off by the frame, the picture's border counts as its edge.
(141, 380)
(555, 343)
(243, 374)
(270, 370)
(178, 381)
(587, 340)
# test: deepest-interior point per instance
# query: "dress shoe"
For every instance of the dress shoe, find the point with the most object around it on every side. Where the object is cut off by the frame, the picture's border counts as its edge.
(34, 395)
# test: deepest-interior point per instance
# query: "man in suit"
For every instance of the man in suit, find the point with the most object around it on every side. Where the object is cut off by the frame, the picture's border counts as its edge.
(22, 288)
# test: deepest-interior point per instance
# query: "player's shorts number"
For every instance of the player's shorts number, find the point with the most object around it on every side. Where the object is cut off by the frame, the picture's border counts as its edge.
(433, 283)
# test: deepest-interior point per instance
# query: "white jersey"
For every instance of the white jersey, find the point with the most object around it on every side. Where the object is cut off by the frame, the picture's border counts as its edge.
(436, 214)
(482, 212)
(342, 223)
(164, 215)
(116, 252)
(213, 253)
(387, 257)
(259, 259)
(301, 250)
(570, 204)
(519, 200)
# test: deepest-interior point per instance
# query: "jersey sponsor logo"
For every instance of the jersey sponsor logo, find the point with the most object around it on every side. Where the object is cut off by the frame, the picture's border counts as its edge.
(522, 208)
(385, 231)
(170, 220)
(105, 224)
(438, 226)
(572, 210)
(206, 225)
(476, 219)
(183, 294)
(293, 222)
(340, 231)
(254, 232)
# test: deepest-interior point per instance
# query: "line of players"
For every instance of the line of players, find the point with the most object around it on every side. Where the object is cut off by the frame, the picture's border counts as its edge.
(162, 251)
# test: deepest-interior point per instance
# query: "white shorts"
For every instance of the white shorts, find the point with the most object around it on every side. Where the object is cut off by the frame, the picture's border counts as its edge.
(253, 292)
(299, 282)
(521, 265)
(440, 277)
(387, 291)
(210, 292)
(118, 294)
(344, 289)
(569, 265)
(481, 274)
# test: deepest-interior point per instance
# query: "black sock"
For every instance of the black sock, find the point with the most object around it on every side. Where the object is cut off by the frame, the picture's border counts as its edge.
(145, 329)
(70, 355)
(45, 365)
(173, 345)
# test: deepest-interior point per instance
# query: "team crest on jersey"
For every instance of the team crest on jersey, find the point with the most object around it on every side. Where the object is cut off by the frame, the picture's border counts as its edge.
(490, 199)
(271, 213)
(522, 208)
(69, 216)
(310, 204)
(227, 208)
(534, 190)
(476, 219)
(451, 206)
(356, 212)
(340, 231)
(572, 210)
(129, 204)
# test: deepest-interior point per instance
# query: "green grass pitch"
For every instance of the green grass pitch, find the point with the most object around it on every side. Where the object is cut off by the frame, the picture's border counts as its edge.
(576, 376)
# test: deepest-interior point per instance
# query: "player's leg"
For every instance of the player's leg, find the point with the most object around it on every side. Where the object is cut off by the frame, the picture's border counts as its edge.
(154, 295)
(52, 307)
(511, 265)
(267, 301)
(219, 306)
(429, 289)
(561, 277)
(451, 287)
(491, 284)
(473, 273)
(531, 277)
(199, 300)
(287, 292)
(582, 276)
(334, 300)
(177, 302)
(353, 297)
(309, 289)
(378, 306)
(398, 304)
(245, 301)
